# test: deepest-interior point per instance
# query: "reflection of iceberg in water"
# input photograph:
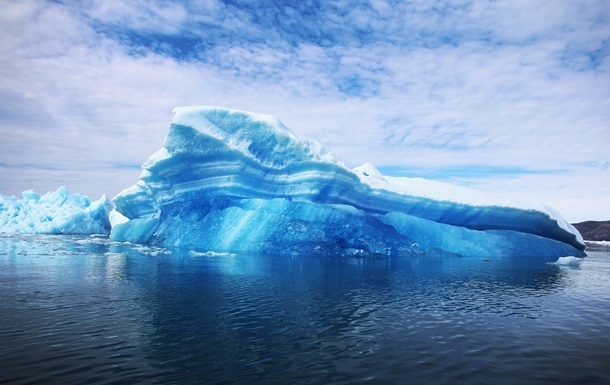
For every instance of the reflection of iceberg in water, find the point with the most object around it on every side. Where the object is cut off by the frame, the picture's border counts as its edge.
(70, 307)
(237, 182)
(99, 256)
(336, 310)
(181, 315)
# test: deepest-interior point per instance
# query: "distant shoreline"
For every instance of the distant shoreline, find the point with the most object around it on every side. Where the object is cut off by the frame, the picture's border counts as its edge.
(594, 231)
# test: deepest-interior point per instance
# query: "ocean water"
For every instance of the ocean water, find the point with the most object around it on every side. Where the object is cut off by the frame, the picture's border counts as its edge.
(76, 310)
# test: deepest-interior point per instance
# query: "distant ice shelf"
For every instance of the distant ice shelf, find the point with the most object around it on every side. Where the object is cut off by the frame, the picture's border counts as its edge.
(229, 181)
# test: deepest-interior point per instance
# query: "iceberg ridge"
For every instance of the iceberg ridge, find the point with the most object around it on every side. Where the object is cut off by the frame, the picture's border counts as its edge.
(231, 181)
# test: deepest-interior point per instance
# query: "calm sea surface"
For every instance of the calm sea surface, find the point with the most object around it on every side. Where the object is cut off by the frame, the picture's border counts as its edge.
(84, 310)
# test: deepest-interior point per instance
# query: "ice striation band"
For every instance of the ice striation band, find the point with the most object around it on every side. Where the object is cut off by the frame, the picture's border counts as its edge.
(232, 181)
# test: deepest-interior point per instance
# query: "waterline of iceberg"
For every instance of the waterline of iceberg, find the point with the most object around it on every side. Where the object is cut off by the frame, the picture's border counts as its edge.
(232, 181)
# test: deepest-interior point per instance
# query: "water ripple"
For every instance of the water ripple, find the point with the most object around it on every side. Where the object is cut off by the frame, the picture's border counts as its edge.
(79, 310)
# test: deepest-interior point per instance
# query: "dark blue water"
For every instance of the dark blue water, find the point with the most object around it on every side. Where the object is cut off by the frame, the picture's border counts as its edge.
(84, 310)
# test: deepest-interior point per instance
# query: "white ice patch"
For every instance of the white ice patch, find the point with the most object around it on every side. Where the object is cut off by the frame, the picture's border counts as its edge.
(568, 261)
(194, 253)
(600, 243)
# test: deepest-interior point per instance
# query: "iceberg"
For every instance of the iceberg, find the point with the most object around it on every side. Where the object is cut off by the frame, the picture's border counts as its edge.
(59, 212)
(229, 181)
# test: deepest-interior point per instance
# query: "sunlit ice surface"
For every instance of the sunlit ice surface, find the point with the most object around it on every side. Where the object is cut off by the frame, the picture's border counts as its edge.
(231, 181)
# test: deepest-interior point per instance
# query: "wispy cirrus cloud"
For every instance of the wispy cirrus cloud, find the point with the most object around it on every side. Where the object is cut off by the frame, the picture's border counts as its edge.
(501, 95)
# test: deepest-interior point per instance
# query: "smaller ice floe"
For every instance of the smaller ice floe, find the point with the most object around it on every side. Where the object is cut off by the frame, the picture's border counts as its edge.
(92, 241)
(568, 261)
(126, 243)
(152, 251)
(110, 254)
(193, 253)
(59, 212)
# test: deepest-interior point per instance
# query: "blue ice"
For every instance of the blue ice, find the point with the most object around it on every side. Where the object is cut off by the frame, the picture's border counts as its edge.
(232, 181)
(58, 212)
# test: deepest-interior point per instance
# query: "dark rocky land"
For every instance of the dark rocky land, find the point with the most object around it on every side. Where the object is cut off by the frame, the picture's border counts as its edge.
(594, 230)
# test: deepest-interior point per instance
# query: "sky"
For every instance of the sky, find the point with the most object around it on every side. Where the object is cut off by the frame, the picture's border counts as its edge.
(509, 97)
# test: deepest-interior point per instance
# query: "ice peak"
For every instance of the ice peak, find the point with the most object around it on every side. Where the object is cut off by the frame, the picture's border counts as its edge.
(261, 137)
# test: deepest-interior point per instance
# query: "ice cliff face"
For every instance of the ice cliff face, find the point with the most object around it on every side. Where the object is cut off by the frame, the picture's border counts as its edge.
(59, 212)
(234, 181)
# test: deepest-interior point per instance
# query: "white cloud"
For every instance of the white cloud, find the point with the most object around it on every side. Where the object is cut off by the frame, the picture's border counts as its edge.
(164, 17)
(518, 86)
